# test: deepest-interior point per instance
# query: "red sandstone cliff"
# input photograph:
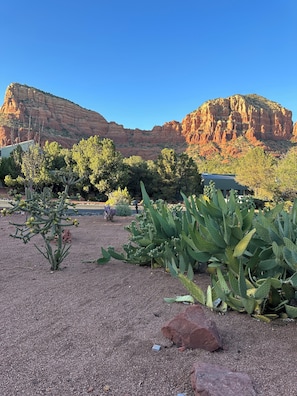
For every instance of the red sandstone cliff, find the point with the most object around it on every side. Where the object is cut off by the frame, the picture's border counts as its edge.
(221, 120)
(28, 113)
(295, 132)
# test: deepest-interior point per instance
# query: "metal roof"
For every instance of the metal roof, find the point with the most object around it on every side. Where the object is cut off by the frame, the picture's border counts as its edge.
(222, 182)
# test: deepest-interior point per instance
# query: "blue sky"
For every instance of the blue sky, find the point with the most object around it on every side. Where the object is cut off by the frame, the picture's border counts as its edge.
(143, 63)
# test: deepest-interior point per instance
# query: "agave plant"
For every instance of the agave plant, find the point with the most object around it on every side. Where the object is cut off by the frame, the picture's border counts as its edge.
(252, 256)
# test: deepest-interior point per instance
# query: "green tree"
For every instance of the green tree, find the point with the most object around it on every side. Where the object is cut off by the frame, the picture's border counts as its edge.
(177, 173)
(217, 164)
(99, 163)
(286, 175)
(256, 170)
(8, 167)
(54, 162)
(34, 168)
(188, 178)
(54, 155)
(140, 170)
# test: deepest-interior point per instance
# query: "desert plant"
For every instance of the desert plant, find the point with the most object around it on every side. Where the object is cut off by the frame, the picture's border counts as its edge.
(109, 213)
(209, 189)
(123, 210)
(157, 226)
(119, 197)
(45, 217)
(251, 255)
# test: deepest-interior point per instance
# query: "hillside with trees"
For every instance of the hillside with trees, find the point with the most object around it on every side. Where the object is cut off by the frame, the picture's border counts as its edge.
(102, 169)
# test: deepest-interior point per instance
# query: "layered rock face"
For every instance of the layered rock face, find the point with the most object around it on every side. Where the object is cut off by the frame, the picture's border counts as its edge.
(221, 120)
(295, 131)
(28, 113)
(51, 111)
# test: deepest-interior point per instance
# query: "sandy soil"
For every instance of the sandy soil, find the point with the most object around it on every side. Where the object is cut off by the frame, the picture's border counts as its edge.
(89, 329)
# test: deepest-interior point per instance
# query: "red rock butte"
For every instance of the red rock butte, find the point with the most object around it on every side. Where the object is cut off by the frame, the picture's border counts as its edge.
(29, 113)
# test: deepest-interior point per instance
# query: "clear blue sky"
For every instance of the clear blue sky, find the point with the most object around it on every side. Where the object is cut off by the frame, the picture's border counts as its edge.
(142, 63)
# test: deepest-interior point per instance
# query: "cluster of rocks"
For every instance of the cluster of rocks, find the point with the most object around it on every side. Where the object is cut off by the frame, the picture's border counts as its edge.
(192, 329)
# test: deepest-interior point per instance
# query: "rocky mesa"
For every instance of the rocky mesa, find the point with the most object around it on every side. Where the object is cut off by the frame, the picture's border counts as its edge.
(29, 113)
(252, 116)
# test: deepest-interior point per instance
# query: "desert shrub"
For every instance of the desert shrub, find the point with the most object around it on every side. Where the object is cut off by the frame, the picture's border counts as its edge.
(15, 184)
(153, 234)
(119, 197)
(109, 213)
(46, 217)
(123, 210)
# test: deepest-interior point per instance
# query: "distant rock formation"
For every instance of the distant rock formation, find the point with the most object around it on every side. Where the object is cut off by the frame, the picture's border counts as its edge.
(221, 120)
(295, 132)
(28, 113)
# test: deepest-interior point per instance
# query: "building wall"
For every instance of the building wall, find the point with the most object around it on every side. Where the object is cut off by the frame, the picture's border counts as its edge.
(5, 151)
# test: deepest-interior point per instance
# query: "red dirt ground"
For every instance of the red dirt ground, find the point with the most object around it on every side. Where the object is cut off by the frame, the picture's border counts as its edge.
(89, 329)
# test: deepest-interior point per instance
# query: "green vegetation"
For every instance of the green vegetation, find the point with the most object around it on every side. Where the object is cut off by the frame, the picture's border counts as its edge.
(45, 217)
(154, 233)
(257, 170)
(98, 162)
(286, 175)
(141, 170)
(123, 210)
(251, 256)
(176, 173)
(102, 170)
(119, 197)
(259, 102)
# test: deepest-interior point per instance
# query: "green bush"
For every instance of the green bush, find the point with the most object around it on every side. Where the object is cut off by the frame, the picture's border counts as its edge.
(119, 197)
(252, 256)
(123, 210)
(148, 237)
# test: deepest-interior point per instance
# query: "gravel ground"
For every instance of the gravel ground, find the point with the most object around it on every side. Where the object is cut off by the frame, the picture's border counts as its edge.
(89, 329)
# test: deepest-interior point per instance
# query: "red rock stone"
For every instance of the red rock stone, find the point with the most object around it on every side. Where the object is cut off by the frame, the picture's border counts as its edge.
(213, 380)
(259, 118)
(191, 329)
(213, 125)
(58, 119)
(295, 132)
